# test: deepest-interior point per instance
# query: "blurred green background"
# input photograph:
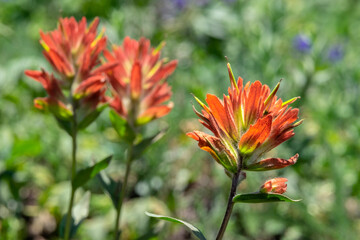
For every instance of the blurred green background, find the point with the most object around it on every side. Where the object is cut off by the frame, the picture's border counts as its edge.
(312, 45)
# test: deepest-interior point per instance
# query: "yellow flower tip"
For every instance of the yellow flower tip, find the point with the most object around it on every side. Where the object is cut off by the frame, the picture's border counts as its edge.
(298, 123)
(91, 24)
(231, 75)
(97, 39)
(45, 46)
(290, 101)
(159, 47)
(273, 93)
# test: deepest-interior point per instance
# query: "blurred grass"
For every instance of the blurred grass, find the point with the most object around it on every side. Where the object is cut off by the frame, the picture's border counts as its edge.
(175, 177)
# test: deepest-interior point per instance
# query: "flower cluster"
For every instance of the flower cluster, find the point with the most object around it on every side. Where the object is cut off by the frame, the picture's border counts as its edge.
(138, 82)
(246, 124)
(73, 50)
(135, 72)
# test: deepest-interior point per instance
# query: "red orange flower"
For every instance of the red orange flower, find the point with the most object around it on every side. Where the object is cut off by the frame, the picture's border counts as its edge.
(138, 82)
(247, 123)
(275, 185)
(73, 50)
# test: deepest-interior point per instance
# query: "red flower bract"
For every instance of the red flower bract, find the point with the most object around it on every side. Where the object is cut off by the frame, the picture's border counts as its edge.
(138, 82)
(247, 123)
(73, 50)
(275, 185)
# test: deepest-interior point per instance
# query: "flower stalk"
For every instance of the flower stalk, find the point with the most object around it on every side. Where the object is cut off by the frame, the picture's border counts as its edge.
(129, 161)
(73, 174)
(229, 207)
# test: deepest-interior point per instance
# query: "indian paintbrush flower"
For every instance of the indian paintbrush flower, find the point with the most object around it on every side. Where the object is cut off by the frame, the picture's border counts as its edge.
(275, 185)
(73, 50)
(246, 124)
(138, 83)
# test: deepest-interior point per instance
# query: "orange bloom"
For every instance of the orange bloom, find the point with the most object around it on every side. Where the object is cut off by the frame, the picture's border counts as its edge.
(73, 50)
(275, 185)
(247, 123)
(138, 83)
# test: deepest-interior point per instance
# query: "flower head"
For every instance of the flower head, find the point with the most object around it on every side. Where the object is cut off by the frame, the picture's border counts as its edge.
(138, 83)
(73, 50)
(302, 43)
(335, 53)
(275, 185)
(247, 123)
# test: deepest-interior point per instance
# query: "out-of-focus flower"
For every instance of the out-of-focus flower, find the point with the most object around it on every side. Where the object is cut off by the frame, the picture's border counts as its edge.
(247, 123)
(275, 185)
(138, 83)
(180, 4)
(73, 50)
(335, 53)
(302, 43)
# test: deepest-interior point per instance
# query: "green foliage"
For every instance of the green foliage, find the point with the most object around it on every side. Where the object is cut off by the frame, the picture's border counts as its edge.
(193, 229)
(84, 175)
(111, 188)
(261, 198)
(122, 127)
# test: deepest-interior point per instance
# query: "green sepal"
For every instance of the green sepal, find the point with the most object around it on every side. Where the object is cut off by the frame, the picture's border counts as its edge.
(262, 198)
(122, 127)
(88, 173)
(88, 119)
(193, 229)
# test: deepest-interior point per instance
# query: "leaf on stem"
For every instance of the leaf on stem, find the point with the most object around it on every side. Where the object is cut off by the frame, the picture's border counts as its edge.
(88, 173)
(194, 229)
(122, 127)
(145, 143)
(110, 187)
(262, 198)
(88, 119)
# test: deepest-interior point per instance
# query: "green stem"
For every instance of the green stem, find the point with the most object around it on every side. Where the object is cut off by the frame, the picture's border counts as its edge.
(123, 191)
(229, 207)
(73, 173)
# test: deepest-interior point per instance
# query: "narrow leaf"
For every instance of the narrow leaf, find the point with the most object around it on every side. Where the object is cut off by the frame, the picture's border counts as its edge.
(88, 173)
(145, 143)
(262, 198)
(110, 187)
(87, 120)
(194, 229)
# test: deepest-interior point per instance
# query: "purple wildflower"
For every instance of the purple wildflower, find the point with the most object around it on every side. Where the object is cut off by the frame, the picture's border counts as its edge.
(335, 53)
(302, 43)
(179, 4)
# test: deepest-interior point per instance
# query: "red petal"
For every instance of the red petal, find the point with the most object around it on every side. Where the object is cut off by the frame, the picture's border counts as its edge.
(221, 116)
(256, 135)
(135, 81)
(272, 163)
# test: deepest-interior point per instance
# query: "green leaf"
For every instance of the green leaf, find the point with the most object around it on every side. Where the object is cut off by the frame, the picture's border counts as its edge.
(262, 198)
(122, 127)
(65, 125)
(111, 187)
(142, 146)
(87, 120)
(88, 173)
(194, 229)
